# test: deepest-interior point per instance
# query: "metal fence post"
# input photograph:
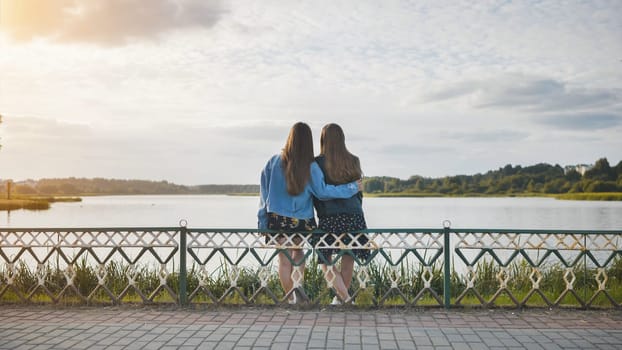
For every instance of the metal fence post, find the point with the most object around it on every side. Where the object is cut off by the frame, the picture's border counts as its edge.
(446, 265)
(183, 279)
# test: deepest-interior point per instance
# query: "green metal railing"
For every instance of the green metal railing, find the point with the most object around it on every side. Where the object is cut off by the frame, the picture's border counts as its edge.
(444, 267)
(554, 265)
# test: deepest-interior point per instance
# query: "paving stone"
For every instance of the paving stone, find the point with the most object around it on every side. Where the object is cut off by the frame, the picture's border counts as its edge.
(608, 347)
(24, 347)
(370, 340)
(492, 342)
(382, 336)
(319, 343)
(208, 345)
(439, 341)
(353, 340)
(332, 343)
(280, 346)
(137, 345)
(113, 347)
(406, 344)
(246, 342)
(455, 338)
(510, 342)
(553, 346)
(388, 345)
(533, 346)
(461, 346)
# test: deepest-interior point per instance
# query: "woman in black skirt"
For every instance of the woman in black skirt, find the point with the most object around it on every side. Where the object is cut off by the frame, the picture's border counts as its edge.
(339, 218)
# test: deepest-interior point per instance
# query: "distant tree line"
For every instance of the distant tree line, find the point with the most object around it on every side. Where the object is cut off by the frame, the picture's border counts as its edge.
(227, 189)
(100, 186)
(539, 178)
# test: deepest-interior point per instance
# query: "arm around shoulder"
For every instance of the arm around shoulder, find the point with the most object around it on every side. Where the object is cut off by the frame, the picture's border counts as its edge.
(323, 191)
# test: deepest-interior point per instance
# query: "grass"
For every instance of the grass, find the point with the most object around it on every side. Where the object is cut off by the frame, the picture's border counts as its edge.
(404, 194)
(591, 196)
(33, 202)
(552, 284)
(15, 204)
(53, 199)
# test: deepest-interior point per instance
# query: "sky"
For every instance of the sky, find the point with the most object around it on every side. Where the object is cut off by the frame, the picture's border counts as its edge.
(199, 92)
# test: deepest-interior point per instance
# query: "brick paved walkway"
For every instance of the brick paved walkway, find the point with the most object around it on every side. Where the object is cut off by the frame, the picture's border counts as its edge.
(34, 327)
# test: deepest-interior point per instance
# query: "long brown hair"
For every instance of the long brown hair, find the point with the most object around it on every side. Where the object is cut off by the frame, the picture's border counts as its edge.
(341, 166)
(297, 157)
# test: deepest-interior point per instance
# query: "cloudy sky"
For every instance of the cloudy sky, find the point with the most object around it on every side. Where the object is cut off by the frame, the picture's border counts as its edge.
(198, 91)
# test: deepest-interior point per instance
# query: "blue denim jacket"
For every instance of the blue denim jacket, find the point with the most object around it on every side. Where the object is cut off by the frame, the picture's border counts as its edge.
(275, 199)
(352, 205)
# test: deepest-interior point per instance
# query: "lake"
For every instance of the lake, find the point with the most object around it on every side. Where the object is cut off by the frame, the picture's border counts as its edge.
(215, 211)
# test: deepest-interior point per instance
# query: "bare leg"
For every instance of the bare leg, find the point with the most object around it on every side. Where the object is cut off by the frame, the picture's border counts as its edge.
(285, 273)
(347, 269)
(334, 277)
(298, 270)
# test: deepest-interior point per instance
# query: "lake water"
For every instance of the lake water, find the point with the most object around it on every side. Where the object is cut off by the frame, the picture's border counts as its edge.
(211, 211)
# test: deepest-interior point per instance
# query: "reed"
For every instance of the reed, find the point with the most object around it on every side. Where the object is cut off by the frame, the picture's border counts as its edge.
(591, 196)
(15, 204)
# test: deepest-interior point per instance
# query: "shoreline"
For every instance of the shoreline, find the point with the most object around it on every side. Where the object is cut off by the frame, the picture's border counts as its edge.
(583, 196)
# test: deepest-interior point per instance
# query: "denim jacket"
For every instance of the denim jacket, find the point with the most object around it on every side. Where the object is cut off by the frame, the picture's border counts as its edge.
(273, 197)
(352, 205)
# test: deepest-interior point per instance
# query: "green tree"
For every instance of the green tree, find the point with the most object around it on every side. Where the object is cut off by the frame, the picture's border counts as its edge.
(419, 185)
(68, 188)
(373, 185)
(556, 186)
(391, 185)
(24, 189)
(602, 186)
(508, 170)
(601, 171)
(451, 184)
(48, 189)
(573, 176)
(531, 187)
(577, 187)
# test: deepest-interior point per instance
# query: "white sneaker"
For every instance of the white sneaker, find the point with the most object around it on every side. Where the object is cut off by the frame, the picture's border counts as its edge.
(292, 299)
(335, 301)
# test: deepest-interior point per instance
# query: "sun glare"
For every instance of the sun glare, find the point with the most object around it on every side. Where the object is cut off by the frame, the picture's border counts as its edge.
(24, 19)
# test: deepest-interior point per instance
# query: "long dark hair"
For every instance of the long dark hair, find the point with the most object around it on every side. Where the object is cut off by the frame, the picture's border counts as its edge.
(297, 157)
(341, 166)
